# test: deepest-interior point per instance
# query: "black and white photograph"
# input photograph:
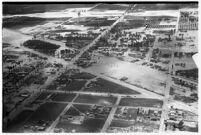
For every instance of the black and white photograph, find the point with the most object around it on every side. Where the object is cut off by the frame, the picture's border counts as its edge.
(100, 67)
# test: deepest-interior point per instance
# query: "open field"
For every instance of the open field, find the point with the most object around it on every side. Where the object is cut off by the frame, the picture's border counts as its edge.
(184, 99)
(43, 95)
(76, 109)
(62, 97)
(17, 124)
(121, 123)
(138, 102)
(88, 126)
(47, 112)
(105, 86)
(82, 75)
(131, 126)
(74, 85)
(91, 99)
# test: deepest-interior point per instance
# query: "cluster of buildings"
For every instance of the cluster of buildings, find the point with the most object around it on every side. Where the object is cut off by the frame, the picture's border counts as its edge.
(79, 40)
(119, 42)
(149, 119)
(20, 75)
(67, 54)
(86, 59)
(188, 20)
(180, 120)
(183, 83)
(40, 127)
(188, 73)
(93, 112)
(15, 78)
(135, 128)
(77, 120)
(155, 66)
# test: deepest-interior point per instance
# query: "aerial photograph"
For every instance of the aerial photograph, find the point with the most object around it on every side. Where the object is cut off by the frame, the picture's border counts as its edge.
(91, 67)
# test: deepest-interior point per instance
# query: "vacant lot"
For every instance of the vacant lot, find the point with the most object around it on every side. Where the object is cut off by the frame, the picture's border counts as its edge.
(47, 112)
(75, 110)
(91, 99)
(105, 86)
(88, 126)
(184, 99)
(62, 97)
(65, 83)
(141, 102)
(75, 85)
(121, 123)
(147, 127)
